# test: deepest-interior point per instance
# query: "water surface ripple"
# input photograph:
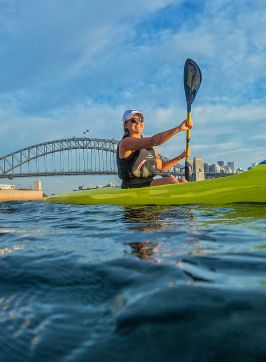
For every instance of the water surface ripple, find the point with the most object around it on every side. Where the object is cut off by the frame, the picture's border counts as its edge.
(106, 283)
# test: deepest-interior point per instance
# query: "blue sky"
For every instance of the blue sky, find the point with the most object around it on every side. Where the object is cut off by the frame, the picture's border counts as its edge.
(69, 66)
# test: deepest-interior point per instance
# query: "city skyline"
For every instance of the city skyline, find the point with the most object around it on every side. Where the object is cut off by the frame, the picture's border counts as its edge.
(223, 167)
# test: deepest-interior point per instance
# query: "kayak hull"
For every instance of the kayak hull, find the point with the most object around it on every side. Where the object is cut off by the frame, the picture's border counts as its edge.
(248, 187)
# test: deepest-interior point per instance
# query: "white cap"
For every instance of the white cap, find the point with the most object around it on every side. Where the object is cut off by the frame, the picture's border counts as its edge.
(130, 113)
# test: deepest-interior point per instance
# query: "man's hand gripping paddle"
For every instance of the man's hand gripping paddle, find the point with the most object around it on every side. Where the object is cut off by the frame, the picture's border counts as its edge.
(192, 81)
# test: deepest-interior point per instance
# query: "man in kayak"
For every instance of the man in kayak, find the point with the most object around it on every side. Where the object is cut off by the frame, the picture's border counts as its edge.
(137, 159)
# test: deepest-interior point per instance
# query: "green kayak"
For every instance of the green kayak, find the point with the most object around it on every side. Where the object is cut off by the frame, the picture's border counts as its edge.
(247, 187)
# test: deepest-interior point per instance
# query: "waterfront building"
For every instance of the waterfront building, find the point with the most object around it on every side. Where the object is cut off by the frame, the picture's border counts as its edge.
(231, 165)
(206, 167)
(227, 169)
(10, 193)
(198, 169)
(7, 187)
(214, 168)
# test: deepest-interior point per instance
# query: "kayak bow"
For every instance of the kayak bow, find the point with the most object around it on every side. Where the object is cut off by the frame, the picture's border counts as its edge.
(248, 187)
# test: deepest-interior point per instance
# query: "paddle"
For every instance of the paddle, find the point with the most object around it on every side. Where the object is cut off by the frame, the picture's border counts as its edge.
(192, 81)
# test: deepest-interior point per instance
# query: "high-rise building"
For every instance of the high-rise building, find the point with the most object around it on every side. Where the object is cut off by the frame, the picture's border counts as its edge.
(227, 169)
(198, 169)
(220, 163)
(206, 167)
(215, 168)
(231, 165)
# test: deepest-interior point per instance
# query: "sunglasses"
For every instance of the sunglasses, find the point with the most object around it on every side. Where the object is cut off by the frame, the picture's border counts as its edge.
(136, 120)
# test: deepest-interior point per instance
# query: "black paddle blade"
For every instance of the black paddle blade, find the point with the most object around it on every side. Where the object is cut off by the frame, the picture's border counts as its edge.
(192, 80)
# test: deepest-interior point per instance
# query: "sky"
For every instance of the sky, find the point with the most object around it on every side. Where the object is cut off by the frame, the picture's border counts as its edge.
(69, 66)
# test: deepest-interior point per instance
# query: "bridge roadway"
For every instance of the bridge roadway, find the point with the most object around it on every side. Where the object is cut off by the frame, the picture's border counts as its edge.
(68, 157)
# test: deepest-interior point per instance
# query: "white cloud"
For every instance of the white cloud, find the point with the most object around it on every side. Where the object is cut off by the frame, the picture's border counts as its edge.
(227, 113)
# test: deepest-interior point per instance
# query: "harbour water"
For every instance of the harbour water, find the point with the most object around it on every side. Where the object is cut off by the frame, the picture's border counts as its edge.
(107, 283)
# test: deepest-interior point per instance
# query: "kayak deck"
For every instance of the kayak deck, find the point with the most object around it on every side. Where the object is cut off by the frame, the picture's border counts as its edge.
(248, 187)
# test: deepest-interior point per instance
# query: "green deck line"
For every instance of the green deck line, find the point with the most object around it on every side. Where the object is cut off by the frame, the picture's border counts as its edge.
(247, 187)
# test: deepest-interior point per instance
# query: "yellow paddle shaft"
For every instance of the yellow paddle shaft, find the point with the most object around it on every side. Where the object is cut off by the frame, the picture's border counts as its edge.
(188, 137)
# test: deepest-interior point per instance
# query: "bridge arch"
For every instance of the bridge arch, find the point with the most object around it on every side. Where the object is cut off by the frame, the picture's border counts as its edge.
(75, 156)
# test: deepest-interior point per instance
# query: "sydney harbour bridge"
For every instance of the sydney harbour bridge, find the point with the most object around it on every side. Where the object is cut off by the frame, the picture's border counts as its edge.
(65, 157)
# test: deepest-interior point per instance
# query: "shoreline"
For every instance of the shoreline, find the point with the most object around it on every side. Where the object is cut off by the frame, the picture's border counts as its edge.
(20, 195)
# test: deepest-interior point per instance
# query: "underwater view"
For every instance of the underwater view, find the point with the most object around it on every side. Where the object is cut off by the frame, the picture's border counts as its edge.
(110, 283)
